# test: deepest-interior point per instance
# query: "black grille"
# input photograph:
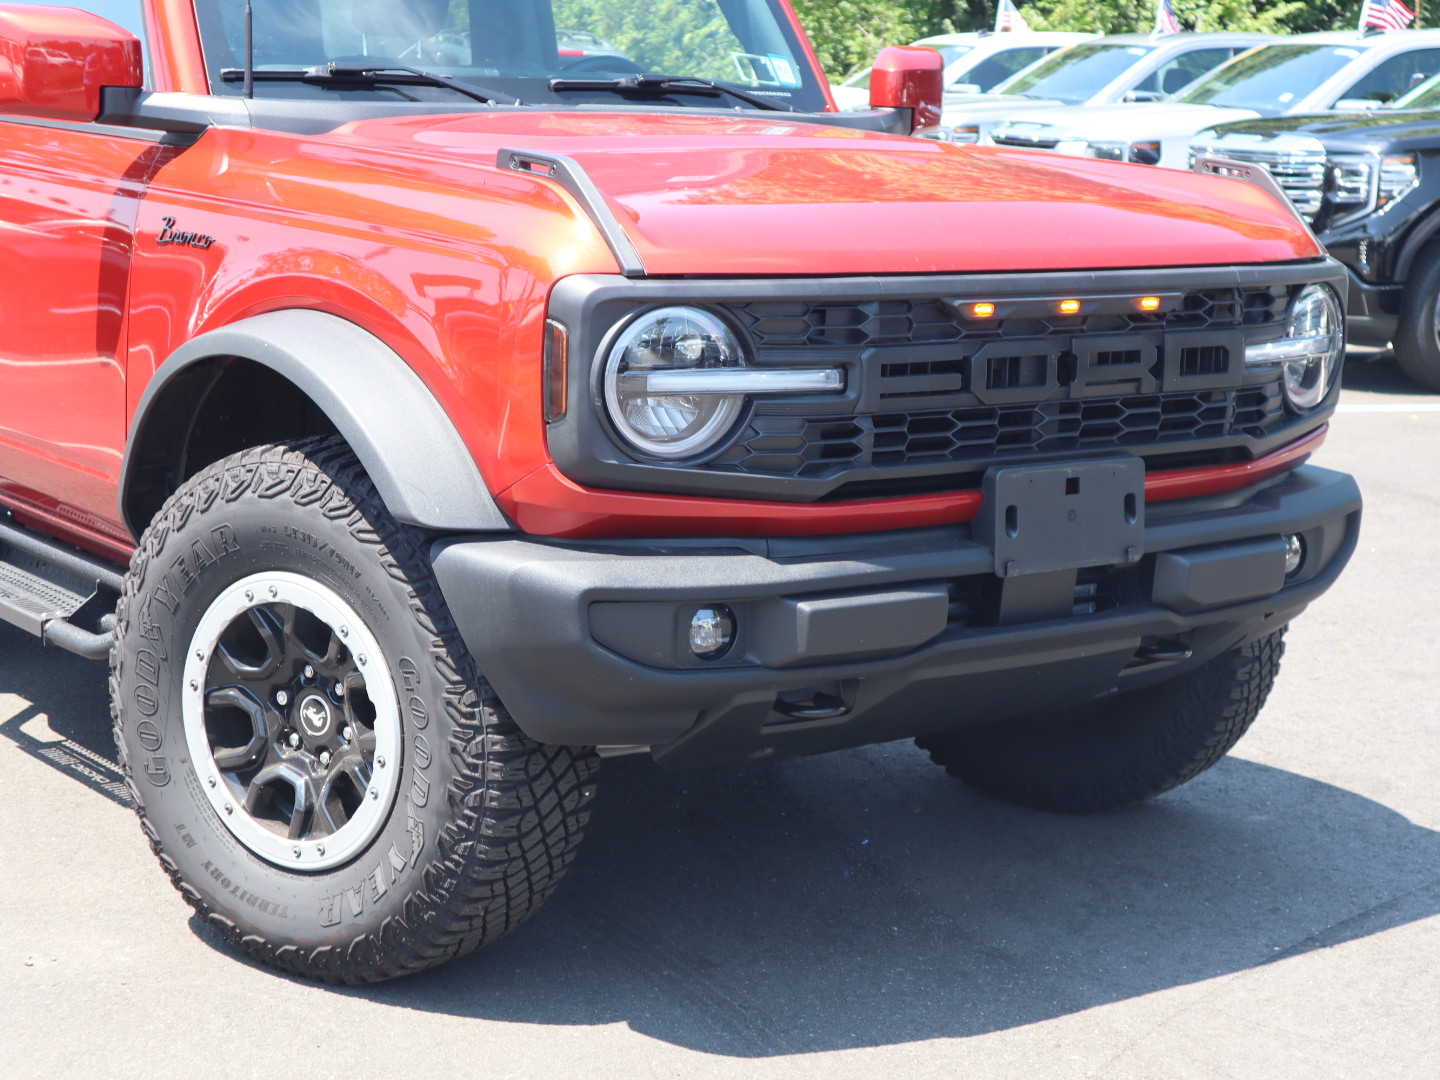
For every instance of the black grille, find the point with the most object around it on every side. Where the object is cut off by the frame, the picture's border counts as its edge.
(782, 323)
(817, 446)
(995, 388)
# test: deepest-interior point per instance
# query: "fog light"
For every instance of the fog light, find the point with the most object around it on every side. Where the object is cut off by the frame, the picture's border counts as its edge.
(712, 632)
(1294, 554)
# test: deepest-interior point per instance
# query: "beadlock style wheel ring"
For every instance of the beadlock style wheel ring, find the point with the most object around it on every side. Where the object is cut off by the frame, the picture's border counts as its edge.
(292, 721)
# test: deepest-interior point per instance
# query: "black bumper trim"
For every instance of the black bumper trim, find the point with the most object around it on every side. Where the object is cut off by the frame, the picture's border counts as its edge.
(523, 607)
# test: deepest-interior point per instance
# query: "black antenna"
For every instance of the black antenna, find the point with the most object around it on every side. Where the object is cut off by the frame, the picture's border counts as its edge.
(249, 51)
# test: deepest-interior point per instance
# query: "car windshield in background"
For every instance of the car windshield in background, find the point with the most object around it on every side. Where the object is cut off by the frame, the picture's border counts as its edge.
(1075, 74)
(530, 50)
(951, 53)
(1270, 79)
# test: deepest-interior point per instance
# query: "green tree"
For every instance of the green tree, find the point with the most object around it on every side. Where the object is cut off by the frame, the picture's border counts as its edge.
(849, 33)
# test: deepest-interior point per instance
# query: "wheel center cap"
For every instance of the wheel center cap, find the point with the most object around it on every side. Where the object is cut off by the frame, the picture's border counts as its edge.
(315, 715)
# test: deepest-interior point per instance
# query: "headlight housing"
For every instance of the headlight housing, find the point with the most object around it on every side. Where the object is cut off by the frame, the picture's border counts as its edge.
(676, 379)
(1310, 352)
(669, 424)
(1361, 184)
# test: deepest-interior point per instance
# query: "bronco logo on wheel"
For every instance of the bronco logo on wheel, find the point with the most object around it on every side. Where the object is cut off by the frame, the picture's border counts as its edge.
(315, 715)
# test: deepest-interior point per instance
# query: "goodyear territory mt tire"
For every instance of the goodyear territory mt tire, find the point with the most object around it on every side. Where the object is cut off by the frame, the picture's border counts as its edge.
(317, 763)
(1120, 751)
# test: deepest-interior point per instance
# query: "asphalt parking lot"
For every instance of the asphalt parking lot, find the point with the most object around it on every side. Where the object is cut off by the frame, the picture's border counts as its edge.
(855, 915)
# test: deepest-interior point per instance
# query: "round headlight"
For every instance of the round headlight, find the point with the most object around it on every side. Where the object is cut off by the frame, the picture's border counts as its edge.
(1314, 318)
(671, 424)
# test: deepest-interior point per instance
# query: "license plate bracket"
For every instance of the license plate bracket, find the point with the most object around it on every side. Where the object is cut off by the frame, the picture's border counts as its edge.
(1040, 518)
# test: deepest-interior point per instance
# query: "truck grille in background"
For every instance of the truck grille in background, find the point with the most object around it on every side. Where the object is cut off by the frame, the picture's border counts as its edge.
(1033, 143)
(1300, 173)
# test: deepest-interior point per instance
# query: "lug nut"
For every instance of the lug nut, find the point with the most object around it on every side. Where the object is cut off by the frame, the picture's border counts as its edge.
(309, 672)
(325, 758)
(281, 697)
(348, 733)
(340, 689)
(294, 740)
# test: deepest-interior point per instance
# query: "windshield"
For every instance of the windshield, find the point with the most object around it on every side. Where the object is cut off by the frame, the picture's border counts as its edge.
(516, 46)
(1269, 79)
(1077, 73)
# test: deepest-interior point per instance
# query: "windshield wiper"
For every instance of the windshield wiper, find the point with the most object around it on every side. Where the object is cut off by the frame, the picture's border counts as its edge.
(361, 72)
(666, 84)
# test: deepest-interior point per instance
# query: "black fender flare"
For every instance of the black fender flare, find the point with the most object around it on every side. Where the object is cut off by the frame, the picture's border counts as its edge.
(362, 385)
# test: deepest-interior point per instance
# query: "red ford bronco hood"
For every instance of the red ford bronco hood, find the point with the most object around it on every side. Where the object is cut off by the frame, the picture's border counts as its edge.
(714, 196)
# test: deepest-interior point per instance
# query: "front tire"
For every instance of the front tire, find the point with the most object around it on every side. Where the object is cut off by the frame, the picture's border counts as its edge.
(1417, 338)
(1120, 751)
(317, 764)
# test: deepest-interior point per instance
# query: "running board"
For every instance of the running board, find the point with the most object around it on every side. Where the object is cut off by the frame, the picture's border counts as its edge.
(59, 594)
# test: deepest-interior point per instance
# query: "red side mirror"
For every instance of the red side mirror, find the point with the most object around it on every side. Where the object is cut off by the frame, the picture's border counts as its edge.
(909, 77)
(55, 60)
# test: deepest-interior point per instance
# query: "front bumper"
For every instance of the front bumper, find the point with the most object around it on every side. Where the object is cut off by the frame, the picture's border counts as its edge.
(849, 640)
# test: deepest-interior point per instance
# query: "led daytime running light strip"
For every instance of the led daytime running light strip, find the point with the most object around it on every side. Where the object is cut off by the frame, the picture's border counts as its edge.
(1289, 349)
(737, 380)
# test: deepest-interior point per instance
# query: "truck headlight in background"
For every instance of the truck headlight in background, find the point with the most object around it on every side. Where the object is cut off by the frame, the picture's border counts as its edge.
(676, 380)
(1311, 349)
(1361, 184)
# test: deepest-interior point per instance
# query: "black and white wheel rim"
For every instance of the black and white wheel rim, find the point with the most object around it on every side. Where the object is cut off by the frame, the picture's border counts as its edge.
(292, 720)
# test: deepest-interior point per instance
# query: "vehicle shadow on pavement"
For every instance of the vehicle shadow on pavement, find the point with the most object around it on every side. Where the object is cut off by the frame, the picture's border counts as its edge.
(866, 899)
(1379, 373)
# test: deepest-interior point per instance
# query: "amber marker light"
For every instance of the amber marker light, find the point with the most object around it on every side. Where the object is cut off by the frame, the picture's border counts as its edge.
(982, 311)
(557, 370)
(1148, 303)
(1069, 307)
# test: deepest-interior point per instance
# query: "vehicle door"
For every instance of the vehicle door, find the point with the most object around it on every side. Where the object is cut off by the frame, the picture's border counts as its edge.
(68, 201)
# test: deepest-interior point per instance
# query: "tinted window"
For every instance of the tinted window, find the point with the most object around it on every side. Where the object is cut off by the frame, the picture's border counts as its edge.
(1270, 79)
(1177, 73)
(1076, 73)
(1396, 76)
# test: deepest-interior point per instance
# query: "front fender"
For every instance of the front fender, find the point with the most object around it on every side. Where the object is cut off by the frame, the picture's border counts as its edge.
(394, 424)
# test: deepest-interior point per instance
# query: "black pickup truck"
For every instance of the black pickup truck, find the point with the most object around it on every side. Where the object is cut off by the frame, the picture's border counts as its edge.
(1369, 185)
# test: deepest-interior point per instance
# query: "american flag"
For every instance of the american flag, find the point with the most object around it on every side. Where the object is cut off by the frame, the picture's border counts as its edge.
(1386, 15)
(1008, 17)
(1165, 20)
